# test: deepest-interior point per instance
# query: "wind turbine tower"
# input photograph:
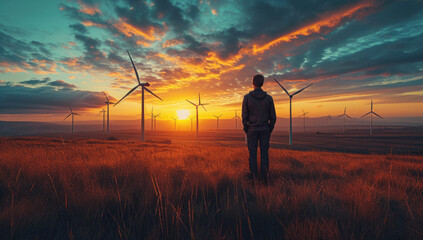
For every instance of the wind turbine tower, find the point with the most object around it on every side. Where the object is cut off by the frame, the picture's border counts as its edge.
(143, 88)
(344, 115)
(104, 118)
(236, 120)
(371, 117)
(196, 108)
(290, 107)
(71, 114)
(191, 122)
(155, 116)
(107, 102)
(304, 115)
(217, 122)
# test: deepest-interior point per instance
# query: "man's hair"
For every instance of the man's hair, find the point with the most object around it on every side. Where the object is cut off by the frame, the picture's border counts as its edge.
(258, 80)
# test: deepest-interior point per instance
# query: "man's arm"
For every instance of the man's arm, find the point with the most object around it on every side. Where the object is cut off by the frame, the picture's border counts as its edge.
(245, 114)
(272, 115)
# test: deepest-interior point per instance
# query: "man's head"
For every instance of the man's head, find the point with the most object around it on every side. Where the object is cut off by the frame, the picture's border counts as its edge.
(258, 81)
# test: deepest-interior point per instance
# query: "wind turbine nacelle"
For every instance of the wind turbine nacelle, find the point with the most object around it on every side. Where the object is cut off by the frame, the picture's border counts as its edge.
(146, 84)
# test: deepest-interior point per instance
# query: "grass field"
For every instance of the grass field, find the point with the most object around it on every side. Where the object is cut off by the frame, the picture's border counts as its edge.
(97, 189)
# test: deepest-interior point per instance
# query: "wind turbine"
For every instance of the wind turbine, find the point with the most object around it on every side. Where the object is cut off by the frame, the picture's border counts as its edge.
(196, 108)
(236, 120)
(344, 115)
(104, 118)
(174, 119)
(143, 87)
(155, 116)
(107, 102)
(217, 118)
(290, 107)
(191, 122)
(152, 118)
(371, 117)
(71, 114)
(304, 115)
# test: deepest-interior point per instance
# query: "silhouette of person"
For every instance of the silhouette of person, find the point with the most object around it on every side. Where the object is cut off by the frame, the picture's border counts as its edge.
(258, 118)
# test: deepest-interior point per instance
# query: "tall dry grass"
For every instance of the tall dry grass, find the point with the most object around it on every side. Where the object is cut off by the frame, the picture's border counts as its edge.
(92, 189)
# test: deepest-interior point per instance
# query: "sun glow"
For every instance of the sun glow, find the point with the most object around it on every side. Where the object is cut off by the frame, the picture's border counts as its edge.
(182, 114)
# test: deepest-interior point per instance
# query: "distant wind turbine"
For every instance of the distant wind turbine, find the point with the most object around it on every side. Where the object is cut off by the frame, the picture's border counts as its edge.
(107, 102)
(344, 115)
(304, 115)
(196, 108)
(371, 117)
(191, 122)
(143, 87)
(152, 118)
(290, 107)
(71, 114)
(236, 120)
(104, 118)
(174, 119)
(217, 118)
(155, 116)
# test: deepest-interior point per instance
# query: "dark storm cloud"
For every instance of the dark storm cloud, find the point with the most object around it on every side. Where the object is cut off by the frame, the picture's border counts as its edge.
(36, 81)
(18, 99)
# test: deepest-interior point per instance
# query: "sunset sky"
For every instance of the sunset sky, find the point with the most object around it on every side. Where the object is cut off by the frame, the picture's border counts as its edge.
(55, 53)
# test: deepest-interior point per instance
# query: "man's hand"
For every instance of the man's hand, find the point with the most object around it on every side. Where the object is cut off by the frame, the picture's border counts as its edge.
(246, 129)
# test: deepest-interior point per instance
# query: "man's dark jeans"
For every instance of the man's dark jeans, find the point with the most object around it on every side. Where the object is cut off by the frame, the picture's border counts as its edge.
(254, 137)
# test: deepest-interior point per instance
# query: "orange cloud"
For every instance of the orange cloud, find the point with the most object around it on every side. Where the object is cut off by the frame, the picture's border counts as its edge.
(90, 10)
(329, 20)
(148, 33)
(90, 23)
(172, 42)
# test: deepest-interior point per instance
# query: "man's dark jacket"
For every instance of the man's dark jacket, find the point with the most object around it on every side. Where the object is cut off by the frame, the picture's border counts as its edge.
(258, 111)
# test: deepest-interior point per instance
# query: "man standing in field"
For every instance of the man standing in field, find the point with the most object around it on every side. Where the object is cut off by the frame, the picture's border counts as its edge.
(258, 118)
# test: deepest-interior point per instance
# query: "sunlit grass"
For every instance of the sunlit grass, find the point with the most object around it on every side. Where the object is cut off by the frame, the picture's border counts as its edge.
(94, 189)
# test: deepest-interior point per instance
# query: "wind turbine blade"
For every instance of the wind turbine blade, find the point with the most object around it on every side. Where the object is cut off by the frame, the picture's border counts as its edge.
(199, 99)
(340, 116)
(158, 115)
(371, 105)
(148, 90)
(365, 114)
(76, 114)
(345, 110)
(70, 108)
(282, 87)
(136, 73)
(215, 116)
(191, 102)
(348, 116)
(220, 115)
(203, 107)
(106, 96)
(126, 95)
(67, 116)
(111, 103)
(377, 114)
(301, 90)
(303, 111)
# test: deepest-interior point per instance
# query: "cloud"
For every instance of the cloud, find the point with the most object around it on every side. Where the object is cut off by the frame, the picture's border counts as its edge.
(79, 28)
(36, 81)
(61, 83)
(18, 99)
